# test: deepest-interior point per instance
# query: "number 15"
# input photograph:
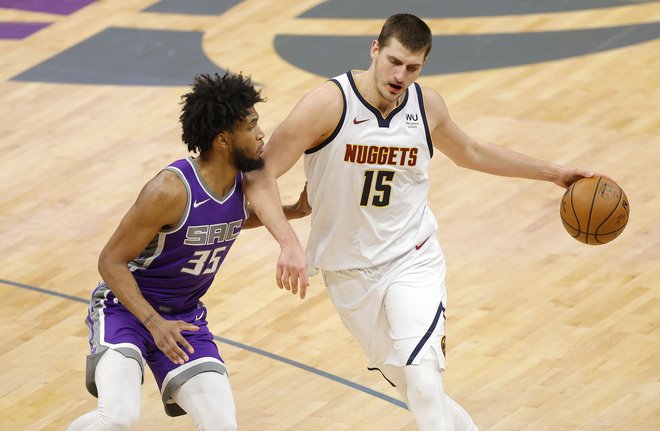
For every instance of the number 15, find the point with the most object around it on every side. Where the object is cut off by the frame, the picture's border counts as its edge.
(382, 190)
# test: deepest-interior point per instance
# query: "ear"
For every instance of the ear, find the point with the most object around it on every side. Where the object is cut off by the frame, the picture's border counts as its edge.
(223, 139)
(374, 49)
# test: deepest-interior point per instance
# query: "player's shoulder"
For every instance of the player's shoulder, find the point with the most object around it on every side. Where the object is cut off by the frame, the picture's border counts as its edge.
(328, 93)
(431, 96)
(434, 104)
(324, 103)
(162, 198)
(165, 187)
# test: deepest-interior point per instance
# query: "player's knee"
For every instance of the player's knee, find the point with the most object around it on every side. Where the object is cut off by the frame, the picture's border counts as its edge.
(424, 382)
(119, 417)
(220, 422)
(423, 392)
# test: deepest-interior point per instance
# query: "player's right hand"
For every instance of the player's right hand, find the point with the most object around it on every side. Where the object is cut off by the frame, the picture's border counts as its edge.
(568, 176)
(168, 338)
(292, 270)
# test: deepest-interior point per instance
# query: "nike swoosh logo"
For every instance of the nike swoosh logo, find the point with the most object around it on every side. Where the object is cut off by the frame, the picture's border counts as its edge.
(417, 247)
(199, 317)
(356, 121)
(196, 204)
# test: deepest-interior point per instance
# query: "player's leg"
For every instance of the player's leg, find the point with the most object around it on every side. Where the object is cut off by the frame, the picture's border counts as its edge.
(432, 408)
(113, 376)
(357, 295)
(426, 397)
(118, 381)
(199, 387)
(207, 398)
(460, 418)
(415, 305)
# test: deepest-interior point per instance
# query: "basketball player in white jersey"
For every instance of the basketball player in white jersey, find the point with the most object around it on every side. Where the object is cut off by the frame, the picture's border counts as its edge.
(367, 139)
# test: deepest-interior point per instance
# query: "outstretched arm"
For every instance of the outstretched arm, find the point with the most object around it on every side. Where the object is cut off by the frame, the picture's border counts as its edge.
(311, 120)
(482, 156)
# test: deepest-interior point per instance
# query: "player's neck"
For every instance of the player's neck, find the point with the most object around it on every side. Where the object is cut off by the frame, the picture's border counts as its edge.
(217, 173)
(368, 88)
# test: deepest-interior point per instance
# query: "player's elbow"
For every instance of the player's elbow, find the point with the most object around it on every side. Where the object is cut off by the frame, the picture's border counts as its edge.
(470, 157)
(105, 263)
(102, 264)
(462, 159)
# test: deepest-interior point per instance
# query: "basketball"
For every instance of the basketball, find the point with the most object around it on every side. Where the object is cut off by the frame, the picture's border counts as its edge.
(594, 210)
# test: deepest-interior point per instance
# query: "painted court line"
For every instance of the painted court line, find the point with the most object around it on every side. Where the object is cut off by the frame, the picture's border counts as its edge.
(252, 349)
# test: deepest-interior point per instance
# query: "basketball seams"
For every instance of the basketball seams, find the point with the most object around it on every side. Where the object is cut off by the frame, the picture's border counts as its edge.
(616, 207)
(561, 213)
(617, 232)
(591, 209)
(577, 219)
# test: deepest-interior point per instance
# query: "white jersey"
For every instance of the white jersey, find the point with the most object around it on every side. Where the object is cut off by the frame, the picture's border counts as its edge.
(368, 183)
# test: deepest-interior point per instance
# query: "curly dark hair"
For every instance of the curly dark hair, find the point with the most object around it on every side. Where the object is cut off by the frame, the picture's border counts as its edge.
(215, 104)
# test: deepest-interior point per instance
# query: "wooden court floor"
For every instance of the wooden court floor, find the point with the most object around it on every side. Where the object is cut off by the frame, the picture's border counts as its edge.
(544, 333)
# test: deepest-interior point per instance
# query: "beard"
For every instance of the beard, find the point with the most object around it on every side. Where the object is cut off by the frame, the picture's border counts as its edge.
(245, 163)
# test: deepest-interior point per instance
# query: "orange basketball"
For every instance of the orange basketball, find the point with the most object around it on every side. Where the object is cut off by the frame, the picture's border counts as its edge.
(594, 210)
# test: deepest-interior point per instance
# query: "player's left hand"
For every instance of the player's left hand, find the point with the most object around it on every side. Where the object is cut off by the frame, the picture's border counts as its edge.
(168, 338)
(303, 208)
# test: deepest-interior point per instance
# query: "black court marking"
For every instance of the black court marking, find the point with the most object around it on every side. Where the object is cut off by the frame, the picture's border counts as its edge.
(240, 345)
(128, 56)
(194, 7)
(331, 55)
(369, 9)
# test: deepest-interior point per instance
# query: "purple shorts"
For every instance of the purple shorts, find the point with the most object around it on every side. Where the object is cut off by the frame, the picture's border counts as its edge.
(112, 326)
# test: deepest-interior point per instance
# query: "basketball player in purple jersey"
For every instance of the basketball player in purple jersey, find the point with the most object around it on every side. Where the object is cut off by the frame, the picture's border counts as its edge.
(162, 259)
(367, 138)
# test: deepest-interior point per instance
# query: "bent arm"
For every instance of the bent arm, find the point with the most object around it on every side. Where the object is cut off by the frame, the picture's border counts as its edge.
(486, 157)
(160, 203)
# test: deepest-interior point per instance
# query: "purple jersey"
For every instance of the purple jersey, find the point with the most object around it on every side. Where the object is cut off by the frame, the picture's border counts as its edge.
(179, 264)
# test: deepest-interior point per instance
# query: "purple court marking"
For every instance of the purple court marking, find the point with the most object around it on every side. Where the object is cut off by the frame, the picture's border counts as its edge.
(20, 30)
(59, 7)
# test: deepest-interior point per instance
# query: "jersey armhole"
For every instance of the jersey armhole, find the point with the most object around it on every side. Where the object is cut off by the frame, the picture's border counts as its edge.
(335, 132)
(420, 100)
(186, 211)
(246, 206)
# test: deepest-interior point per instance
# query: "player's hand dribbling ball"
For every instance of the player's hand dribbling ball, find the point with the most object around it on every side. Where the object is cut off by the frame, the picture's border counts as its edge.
(594, 210)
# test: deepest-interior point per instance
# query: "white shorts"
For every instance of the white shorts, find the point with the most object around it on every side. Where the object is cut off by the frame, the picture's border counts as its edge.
(396, 310)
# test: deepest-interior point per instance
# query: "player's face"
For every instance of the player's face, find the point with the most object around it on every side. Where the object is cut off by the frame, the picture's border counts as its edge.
(396, 68)
(248, 143)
